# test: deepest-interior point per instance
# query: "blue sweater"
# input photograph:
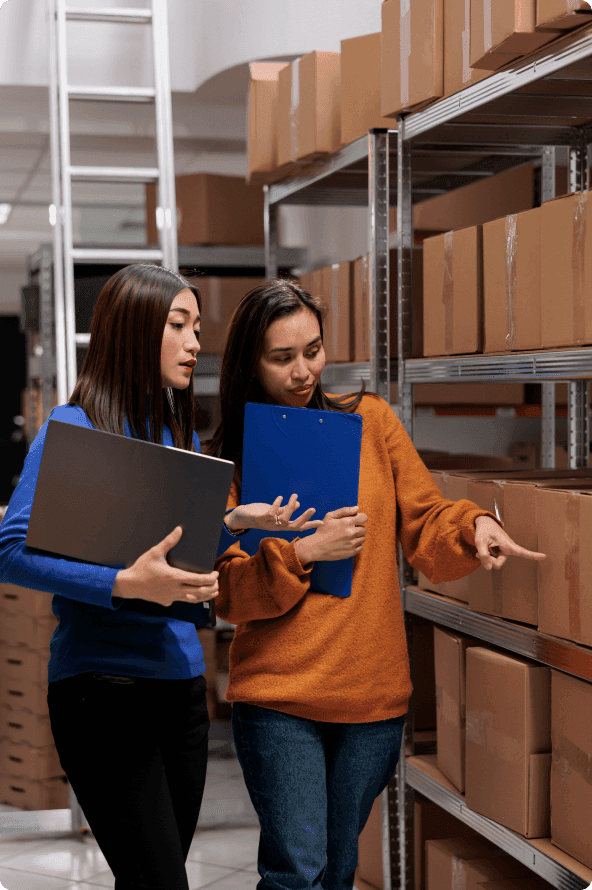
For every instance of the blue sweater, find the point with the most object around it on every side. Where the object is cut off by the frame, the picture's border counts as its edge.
(97, 632)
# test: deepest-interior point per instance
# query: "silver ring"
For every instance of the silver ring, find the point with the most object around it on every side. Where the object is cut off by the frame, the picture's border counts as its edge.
(277, 520)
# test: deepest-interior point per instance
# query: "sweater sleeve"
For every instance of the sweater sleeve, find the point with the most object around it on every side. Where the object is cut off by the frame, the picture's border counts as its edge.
(266, 585)
(26, 567)
(437, 535)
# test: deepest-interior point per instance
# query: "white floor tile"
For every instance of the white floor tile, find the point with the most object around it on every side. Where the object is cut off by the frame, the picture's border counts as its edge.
(22, 880)
(70, 860)
(12, 845)
(238, 880)
(235, 849)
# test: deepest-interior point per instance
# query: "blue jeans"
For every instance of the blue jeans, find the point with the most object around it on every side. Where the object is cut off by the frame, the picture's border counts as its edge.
(313, 785)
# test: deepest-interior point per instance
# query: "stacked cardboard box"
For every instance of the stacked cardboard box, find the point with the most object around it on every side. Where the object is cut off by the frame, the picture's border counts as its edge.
(262, 133)
(219, 299)
(361, 87)
(562, 15)
(504, 31)
(468, 862)
(31, 777)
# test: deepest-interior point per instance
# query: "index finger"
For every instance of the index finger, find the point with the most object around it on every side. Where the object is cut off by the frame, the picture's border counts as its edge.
(516, 550)
(193, 579)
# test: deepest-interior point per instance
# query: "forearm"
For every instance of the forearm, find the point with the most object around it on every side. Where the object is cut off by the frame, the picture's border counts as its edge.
(305, 551)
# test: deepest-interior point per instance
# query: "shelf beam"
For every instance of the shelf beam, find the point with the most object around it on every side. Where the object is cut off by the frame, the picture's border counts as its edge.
(528, 367)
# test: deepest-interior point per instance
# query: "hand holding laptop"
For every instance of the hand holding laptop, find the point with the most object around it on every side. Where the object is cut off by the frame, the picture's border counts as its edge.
(152, 578)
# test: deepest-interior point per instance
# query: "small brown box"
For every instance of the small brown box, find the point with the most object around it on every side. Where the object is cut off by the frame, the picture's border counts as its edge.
(503, 31)
(562, 14)
(319, 105)
(35, 603)
(412, 55)
(453, 293)
(24, 727)
(28, 794)
(31, 763)
(458, 73)
(433, 823)
(512, 283)
(337, 333)
(262, 112)
(360, 88)
(508, 740)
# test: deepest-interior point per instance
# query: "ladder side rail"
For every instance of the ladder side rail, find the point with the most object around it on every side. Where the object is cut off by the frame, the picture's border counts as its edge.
(164, 135)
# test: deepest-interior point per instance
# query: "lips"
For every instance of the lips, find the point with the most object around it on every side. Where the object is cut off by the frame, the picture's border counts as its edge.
(301, 391)
(190, 364)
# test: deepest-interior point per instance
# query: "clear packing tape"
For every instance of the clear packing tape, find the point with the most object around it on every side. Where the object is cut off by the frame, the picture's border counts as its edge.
(487, 32)
(568, 758)
(448, 294)
(480, 731)
(466, 45)
(572, 562)
(577, 265)
(294, 108)
(405, 50)
(335, 308)
(511, 246)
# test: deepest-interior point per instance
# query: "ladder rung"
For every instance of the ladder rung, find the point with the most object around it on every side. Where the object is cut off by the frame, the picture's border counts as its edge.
(124, 16)
(82, 339)
(108, 255)
(115, 174)
(112, 94)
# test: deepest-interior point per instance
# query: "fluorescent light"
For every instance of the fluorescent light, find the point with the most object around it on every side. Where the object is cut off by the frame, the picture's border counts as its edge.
(53, 215)
(4, 213)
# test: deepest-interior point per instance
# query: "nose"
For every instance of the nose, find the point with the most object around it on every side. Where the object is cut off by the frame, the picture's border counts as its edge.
(300, 371)
(192, 345)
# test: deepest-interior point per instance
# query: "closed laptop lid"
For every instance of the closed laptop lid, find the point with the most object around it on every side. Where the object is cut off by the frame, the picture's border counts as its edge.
(106, 499)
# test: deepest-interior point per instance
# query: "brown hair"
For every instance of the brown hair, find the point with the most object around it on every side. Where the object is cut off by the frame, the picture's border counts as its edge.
(244, 347)
(121, 376)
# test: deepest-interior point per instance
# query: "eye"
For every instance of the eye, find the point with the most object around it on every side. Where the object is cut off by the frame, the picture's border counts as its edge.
(177, 325)
(283, 359)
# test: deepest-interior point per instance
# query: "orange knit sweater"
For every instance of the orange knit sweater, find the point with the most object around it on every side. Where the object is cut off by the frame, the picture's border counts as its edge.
(344, 660)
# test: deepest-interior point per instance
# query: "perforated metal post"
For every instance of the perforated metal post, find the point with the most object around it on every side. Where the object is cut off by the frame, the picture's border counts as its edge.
(404, 273)
(46, 332)
(270, 228)
(548, 425)
(378, 225)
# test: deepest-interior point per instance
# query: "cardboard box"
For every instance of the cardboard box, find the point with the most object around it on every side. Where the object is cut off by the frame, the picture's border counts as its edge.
(219, 299)
(564, 523)
(370, 850)
(508, 740)
(468, 394)
(566, 269)
(24, 727)
(504, 31)
(562, 14)
(19, 663)
(512, 283)
(571, 792)
(24, 694)
(287, 114)
(262, 108)
(455, 863)
(338, 323)
(34, 603)
(453, 293)
(28, 794)
(31, 763)
(450, 675)
(524, 883)
(305, 282)
(458, 73)
(360, 88)
(433, 823)
(412, 55)
(212, 209)
(423, 675)
(24, 630)
(319, 109)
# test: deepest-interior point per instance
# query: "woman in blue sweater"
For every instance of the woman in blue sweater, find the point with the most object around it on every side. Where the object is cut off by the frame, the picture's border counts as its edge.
(126, 688)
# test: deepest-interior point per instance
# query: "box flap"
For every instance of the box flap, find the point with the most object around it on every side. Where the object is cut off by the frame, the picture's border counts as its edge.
(539, 790)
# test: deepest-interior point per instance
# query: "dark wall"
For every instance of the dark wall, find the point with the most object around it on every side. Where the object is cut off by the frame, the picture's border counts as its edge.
(13, 378)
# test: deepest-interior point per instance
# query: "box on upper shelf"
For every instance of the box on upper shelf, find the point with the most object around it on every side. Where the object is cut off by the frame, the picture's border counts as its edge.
(504, 31)
(412, 55)
(563, 14)
(360, 88)
(262, 109)
(319, 109)
(458, 73)
(508, 740)
(211, 209)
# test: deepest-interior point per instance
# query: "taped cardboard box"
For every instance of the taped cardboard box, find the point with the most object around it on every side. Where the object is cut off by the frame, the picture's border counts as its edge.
(453, 293)
(211, 209)
(219, 299)
(412, 55)
(28, 794)
(571, 791)
(503, 31)
(28, 762)
(450, 675)
(463, 863)
(508, 740)
(338, 323)
(360, 88)
(566, 269)
(288, 114)
(262, 109)
(15, 599)
(24, 727)
(563, 14)
(458, 73)
(512, 283)
(319, 110)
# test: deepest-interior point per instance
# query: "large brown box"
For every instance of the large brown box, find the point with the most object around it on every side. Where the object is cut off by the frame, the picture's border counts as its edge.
(571, 791)
(503, 31)
(319, 108)
(450, 673)
(512, 283)
(412, 55)
(455, 863)
(508, 740)
(337, 324)
(453, 293)
(262, 116)
(29, 762)
(24, 727)
(360, 88)
(458, 73)
(24, 695)
(287, 115)
(34, 603)
(219, 299)
(564, 526)
(212, 209)
(29, 794)
(26, 630)
(563, 14)
(566, 270)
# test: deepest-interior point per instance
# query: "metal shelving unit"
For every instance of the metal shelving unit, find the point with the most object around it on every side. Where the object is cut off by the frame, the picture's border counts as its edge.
(513, 117)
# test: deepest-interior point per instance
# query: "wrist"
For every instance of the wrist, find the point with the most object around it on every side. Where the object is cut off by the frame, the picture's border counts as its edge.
(304, 551)
(230, 520)
(121, 585)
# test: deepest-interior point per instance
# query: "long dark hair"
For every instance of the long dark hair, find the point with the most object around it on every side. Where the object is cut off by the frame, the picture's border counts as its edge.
(244, 347)
(121, 376)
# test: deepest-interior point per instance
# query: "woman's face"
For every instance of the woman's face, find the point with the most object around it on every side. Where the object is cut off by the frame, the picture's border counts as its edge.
(293, 357)
(180, 343)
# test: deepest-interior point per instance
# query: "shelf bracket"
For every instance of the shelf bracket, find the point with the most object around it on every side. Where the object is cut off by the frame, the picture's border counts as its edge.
(378, 243)
(548, 426)
(404, 273)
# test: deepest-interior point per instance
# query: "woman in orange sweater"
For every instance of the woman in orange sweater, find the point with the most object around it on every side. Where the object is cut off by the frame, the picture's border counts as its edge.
(320, 685)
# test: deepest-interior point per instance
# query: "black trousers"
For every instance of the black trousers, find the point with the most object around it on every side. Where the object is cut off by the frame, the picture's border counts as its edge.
(135, 752)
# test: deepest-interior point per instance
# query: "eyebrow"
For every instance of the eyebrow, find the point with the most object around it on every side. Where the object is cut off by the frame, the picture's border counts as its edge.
(184, 311)
(289, 348)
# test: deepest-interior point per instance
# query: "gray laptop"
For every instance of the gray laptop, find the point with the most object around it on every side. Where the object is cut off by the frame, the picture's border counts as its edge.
(106, 499)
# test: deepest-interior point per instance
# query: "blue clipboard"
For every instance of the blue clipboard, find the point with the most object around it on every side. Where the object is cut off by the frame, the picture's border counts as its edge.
(313, 453)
